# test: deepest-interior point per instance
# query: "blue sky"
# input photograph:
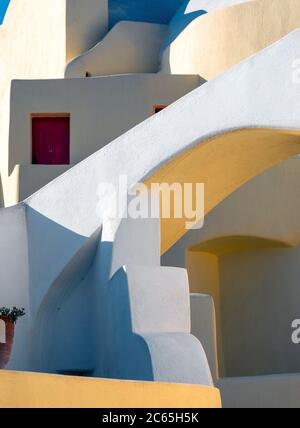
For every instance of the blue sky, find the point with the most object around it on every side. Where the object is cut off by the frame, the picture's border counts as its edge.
(3, 7)
(143, 10)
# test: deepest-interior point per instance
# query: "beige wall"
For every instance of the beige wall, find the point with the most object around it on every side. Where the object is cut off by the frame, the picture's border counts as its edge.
(33, 39)
(261, 287)
(32, 177)
(203, 269)
(36, 39)
(265, 392)
(204, 278)
(32, 45)
(218, 40)
(101, 109)
(257, 300)
(85, 25)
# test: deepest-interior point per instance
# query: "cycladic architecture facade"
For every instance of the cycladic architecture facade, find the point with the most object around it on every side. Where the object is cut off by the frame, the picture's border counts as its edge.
(172, 91)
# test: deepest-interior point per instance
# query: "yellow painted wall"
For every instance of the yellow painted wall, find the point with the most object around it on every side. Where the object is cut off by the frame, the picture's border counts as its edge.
(23, 390)
(218, 40)
(204, 278)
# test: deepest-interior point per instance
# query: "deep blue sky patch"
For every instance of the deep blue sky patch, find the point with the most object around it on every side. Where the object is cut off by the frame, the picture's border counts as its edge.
(157, 11)
(3, 7)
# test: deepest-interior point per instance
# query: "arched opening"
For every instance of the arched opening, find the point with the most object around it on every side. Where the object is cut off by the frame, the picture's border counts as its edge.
(63, 329)
(223, 163)
(254, 284)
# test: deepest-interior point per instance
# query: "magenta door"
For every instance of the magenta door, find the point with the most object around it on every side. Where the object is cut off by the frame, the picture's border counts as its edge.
(51, 140)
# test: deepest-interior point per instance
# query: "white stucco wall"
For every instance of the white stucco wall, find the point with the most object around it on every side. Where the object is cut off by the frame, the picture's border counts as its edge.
(159, 300)
(63, 214)
(147, 146)
(32, 177)
(14, 248)
(36, 39)
(64, 334)
(100, 109)
(145, 252)
(14, 276)
(149, 327)
(215, 97)
(203, 326)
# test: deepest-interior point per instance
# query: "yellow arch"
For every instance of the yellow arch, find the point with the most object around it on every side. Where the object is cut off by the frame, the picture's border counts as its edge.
(223, 163)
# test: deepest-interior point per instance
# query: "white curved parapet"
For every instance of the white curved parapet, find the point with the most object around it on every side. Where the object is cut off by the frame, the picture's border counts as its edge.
(134, 47)
(149, 310)
(224, 104)
(130, 47)
(191, 10)
(207, 38)
(62, 218)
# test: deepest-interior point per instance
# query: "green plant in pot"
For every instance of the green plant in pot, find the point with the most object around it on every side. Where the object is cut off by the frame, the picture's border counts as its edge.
(9, 317)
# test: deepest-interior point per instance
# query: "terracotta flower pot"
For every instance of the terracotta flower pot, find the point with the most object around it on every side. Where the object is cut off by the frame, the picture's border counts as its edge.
(6, 348)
